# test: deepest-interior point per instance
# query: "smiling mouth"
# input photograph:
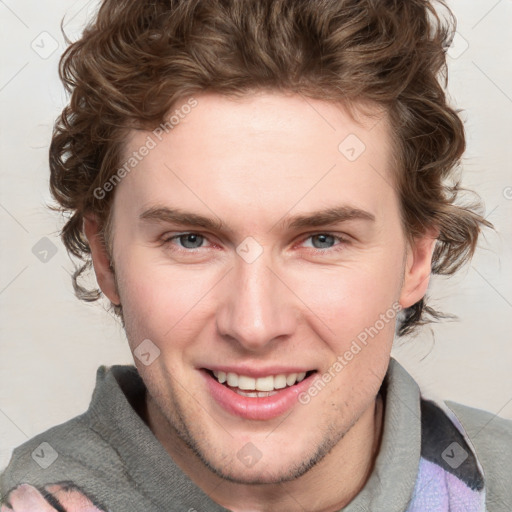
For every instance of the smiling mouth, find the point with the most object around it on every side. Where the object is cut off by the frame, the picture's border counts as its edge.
(260, 387)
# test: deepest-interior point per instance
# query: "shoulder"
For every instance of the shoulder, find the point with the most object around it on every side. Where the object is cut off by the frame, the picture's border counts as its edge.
(491, 437)
(83, 453)
(56, 461)
(487, 431)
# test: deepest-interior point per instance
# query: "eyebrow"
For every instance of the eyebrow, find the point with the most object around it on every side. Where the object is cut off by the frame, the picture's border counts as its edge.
(328, 216)
(314, 219)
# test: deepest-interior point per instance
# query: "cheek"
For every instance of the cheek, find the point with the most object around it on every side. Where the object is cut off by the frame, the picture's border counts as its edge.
(158, 300)
(164, 306)
(356, 316)
(351, 298)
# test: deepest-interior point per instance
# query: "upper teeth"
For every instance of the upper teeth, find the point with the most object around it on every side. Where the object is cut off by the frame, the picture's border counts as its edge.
(268, 383)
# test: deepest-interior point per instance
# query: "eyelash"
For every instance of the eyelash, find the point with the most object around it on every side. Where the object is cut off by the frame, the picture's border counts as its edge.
(342, 241)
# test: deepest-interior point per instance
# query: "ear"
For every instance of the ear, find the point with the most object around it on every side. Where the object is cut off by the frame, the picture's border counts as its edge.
(100, 259)
(418, 268)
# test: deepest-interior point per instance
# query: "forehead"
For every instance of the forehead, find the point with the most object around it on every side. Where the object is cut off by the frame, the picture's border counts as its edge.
(261, 151)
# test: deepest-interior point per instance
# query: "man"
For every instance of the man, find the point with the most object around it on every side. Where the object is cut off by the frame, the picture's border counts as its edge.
(262, 188)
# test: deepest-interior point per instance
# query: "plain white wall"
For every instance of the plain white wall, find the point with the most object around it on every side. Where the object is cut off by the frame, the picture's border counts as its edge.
(51, 343)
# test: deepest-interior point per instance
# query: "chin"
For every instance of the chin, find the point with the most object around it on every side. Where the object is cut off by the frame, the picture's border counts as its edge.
(281, 468)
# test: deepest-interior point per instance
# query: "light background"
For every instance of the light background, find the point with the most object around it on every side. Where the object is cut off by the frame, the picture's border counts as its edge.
(51, 344)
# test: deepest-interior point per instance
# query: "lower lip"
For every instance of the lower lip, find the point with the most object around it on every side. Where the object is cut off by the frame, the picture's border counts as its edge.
(257, 408)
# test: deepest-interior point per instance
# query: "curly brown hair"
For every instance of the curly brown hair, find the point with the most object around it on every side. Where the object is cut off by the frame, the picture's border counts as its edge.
(138, 58)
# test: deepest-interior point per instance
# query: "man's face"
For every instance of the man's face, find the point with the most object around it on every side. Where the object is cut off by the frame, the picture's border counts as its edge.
(255, 293)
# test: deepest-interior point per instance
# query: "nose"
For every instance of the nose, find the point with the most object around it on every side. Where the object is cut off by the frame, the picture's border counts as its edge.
(256, 308)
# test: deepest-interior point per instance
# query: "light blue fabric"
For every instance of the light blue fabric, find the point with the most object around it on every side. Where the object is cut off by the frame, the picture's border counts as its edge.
(437, 490)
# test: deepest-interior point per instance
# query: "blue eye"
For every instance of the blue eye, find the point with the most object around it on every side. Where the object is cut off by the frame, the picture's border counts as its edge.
(322, 241)
(192, 239)
(325, 241)
(188, 240)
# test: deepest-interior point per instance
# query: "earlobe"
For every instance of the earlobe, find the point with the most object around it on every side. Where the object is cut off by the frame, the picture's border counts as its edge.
(100, 259)
(418, 268)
